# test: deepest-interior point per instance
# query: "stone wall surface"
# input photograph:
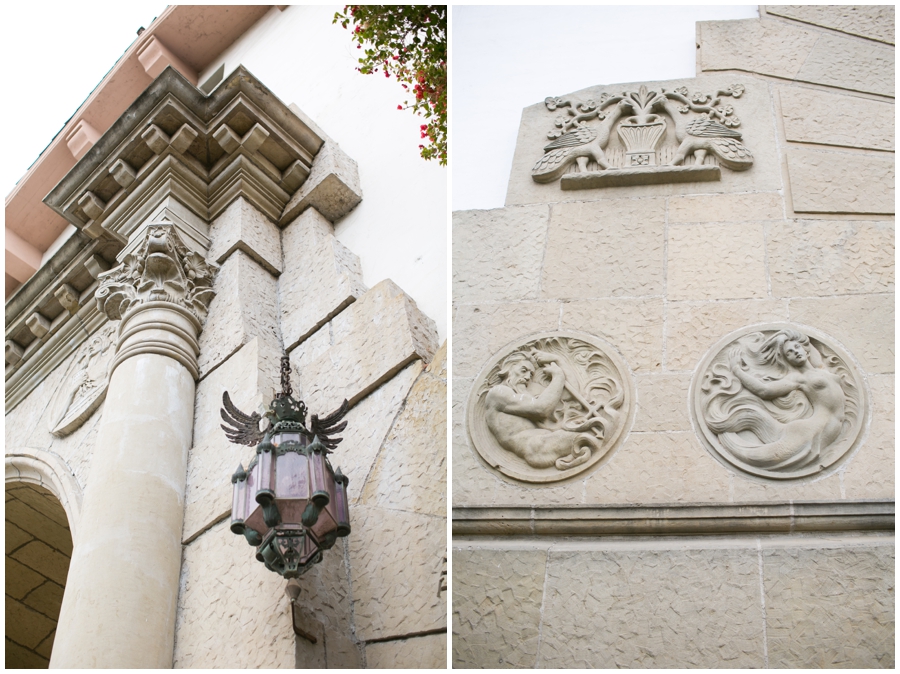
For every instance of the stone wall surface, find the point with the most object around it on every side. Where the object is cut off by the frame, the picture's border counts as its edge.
(662, 273)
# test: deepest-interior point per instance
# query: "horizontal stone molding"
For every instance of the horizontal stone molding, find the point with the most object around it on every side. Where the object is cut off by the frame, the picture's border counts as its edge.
(675, 520)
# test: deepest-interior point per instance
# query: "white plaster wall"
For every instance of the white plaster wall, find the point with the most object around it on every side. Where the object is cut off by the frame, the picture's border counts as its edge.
(400, 228)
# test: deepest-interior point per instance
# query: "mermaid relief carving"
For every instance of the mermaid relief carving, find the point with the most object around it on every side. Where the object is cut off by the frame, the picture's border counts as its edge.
(780, 403)
(549, 408)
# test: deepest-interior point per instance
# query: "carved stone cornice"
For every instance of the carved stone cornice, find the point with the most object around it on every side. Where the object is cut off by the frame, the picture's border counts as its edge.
(162, 269)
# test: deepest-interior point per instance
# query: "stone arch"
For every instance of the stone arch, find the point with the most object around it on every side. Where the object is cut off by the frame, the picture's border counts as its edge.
(42, 499)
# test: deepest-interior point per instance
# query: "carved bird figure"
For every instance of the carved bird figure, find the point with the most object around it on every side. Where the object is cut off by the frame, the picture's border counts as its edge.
(703, 135)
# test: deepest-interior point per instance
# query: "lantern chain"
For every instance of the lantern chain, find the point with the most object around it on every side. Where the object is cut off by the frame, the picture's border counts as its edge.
(286, 389)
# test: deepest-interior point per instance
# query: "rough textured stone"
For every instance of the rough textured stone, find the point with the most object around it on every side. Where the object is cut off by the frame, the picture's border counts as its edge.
(863, 324)
(749, 491)
(244, 308)
(321, 277)
(498, 254)
(716, 262)
(812, 116)
(396, 559)
(332, 187)
(693, 327)
(250, 377)
(837, 182)
(242, 227)
(754, 108)
(791, 52)
(870, 472)
(725, 207)
(659, 468)
(410, 473)
(633, 326)
(480, 331)
(371, 341)
(609, 248)
(425, 652)
(875, 22)
(662, 403)
(648, 608)
(497, 607)
(830, 607)
(830, 257)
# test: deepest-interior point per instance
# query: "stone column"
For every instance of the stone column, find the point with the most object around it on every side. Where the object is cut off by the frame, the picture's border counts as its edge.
(121, 593)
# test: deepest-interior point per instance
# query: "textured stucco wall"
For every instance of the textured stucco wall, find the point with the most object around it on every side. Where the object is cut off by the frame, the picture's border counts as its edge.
(662, 272)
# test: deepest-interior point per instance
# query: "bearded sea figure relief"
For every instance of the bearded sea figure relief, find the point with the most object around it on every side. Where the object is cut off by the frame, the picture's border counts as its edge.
(780, 403)
(547, 409)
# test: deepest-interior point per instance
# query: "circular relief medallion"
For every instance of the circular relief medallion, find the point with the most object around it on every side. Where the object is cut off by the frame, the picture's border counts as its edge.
(550, 407)
(778, 401)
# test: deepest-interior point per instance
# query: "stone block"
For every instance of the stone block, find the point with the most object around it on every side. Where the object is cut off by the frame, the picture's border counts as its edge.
(693, 327)
(20, 580)
(33, 521)
(610, 248)
(652, 609)
(875, 22)
(15, 537)
(754, 108)
(368, 426)
(632, 326)
(25, 626)
(410, 473)
(396, 559)
(812, 116)
(241, 227)
(864, 324)
(47, 505)
(250, 606)
(321, 278)
(847, 63)
(40, 557)
(659, 468)
(480, 331)
(332, 187)
(793, 52)
(725, 207)
(250, 376)
(830, 257)
(497, 254)
(46, 599)
(662, 402)
(744, 490)
(497, 597)
(425, 652)
(719, 262)
(839, 182)
(870, 471)
(18, 657)
(245, 307)
(376, 337)
(830, 607)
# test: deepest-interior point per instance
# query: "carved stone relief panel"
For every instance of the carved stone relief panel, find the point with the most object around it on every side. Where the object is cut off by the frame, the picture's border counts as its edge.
(779, 402)
(84, 387)
(550, 406)
(658, 137)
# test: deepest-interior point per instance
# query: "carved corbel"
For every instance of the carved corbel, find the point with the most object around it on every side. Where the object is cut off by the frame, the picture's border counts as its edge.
(68, 298)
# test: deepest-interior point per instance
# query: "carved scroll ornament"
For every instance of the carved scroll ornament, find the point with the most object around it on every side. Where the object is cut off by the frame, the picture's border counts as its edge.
(702, 125)
(779, 402)
(550, 407)
(161, 269)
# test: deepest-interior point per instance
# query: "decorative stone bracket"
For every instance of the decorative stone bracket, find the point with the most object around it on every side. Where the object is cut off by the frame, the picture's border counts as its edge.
(648, 155)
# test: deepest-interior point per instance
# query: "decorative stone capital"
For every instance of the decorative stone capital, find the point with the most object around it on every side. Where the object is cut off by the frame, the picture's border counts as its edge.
(162, 269)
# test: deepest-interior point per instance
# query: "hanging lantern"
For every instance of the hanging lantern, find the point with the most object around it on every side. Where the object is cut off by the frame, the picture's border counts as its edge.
(289, 502)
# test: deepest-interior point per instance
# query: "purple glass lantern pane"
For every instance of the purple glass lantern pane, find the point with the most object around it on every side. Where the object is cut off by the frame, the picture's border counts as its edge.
(264, 470)
(343, 511)
(254, 519)
(320, 477)
(292, 476)
(239, 502)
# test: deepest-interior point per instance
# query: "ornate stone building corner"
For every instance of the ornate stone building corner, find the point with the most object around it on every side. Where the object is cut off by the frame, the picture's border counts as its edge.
(779, 402)
(550, 406)
(661, 137)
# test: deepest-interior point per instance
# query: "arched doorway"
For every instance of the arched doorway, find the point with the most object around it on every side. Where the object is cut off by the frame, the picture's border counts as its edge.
(38, 551)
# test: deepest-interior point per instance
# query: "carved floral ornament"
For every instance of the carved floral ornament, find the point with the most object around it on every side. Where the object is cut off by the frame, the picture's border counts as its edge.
(161, 269)
(779, 402)
(645, 121)
(550, 407)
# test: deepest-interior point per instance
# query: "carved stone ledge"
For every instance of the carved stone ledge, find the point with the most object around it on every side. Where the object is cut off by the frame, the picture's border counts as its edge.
(654, 175)
(675, 519)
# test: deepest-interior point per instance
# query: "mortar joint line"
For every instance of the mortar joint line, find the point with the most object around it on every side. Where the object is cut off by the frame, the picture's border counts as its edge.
(537, 656)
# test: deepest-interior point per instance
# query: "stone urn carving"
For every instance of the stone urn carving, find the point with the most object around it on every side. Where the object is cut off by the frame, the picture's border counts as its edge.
(641, 140)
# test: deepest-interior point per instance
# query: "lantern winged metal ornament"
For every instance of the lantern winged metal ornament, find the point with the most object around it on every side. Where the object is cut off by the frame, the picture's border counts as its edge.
(289, 502)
